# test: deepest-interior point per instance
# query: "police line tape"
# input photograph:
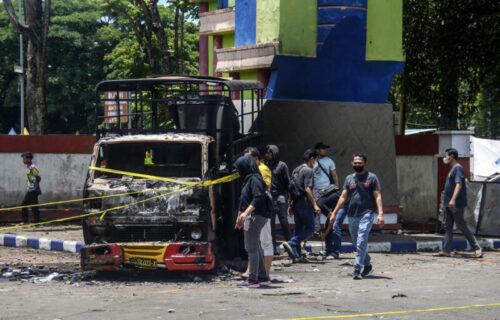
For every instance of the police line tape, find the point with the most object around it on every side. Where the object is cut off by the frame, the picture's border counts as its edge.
(205, 183)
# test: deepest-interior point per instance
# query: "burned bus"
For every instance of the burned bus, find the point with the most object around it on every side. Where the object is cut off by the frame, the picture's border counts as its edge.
(162, 144)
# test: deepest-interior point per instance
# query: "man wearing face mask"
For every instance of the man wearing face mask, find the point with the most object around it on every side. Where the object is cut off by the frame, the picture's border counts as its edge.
(455, 200)
(362, 193)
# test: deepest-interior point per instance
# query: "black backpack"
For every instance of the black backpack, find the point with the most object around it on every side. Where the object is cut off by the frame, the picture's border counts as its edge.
(293, 188)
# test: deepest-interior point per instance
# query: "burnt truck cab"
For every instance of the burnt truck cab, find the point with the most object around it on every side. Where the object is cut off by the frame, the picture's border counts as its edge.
(151, 202)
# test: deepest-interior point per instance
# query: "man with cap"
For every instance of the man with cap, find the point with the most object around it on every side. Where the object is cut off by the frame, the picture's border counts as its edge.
(302, 205)
(327, 193)
(33, 180)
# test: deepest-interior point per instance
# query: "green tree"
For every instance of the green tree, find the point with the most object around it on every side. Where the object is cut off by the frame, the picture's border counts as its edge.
(80, 36)
(9, 84)
(451, 47)
(35, 28)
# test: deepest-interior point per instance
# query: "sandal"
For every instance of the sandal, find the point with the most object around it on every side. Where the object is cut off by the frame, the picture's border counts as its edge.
(240, 277)
(443, 254)
(479, 253)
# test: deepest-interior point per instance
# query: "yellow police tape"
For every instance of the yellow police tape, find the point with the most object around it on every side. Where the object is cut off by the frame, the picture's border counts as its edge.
(87, 199)
(395, 312)
(205, 183)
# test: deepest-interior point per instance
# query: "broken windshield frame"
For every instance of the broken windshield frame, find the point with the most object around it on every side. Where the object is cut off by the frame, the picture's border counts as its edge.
(164, 159)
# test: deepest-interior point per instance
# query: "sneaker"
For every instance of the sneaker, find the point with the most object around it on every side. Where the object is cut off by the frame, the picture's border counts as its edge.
(479, 253)
(264, 282)
(367, 270)
(356, 275)
(289, 250)
(248, 284)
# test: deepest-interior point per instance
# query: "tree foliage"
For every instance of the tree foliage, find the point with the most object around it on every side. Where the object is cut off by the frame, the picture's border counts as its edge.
(451, 48)
(88, 42)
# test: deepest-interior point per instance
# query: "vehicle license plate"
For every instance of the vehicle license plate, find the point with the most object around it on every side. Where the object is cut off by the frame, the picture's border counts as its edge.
(143, 263)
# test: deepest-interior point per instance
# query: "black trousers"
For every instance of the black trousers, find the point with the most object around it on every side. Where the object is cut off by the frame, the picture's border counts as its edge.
(280, 206)
(31, 198)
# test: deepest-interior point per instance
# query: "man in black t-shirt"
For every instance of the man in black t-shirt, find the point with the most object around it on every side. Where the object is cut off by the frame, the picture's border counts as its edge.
(362, 192)
(454, 201)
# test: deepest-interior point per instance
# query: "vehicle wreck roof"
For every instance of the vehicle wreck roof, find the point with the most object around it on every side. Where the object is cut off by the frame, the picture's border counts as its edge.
(189, 137)
(147, 83)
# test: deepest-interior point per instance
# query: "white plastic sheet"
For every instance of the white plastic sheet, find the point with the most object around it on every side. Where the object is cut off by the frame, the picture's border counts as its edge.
(486, 158)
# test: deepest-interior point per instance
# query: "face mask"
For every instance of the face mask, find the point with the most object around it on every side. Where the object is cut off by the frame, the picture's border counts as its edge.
(446, 160)
(358, 168)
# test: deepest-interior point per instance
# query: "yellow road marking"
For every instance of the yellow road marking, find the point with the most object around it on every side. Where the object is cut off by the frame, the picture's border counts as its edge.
(395, 312)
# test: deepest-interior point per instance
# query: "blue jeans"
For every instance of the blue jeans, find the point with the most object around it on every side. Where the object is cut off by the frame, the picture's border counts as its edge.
(333, 239)
(304, 225)
(360, 227)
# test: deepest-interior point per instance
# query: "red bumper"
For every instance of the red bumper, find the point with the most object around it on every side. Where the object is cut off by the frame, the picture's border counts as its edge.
(176, 256)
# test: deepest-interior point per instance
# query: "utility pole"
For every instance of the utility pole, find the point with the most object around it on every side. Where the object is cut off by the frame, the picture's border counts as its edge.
(21, 75)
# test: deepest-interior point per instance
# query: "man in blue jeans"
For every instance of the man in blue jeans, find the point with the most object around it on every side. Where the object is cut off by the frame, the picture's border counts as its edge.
(362, 193)
(302, 205)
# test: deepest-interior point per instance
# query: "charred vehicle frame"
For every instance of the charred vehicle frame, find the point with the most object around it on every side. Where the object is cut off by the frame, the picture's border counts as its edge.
(186, 130)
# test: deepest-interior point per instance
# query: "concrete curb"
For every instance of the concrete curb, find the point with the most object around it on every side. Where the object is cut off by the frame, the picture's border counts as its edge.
(411, 246)
(316, 246)
(40, 243)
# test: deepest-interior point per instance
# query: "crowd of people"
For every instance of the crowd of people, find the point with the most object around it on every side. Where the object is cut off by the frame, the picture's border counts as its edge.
(311, 190)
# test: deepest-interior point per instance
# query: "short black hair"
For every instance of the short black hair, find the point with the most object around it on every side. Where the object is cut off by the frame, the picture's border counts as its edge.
(254, 152)
(310, 153)
(361, 155)
(452, 152)
(27, 155)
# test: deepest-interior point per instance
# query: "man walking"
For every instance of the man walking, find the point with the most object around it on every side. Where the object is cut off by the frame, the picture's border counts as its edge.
(302, 205)
(33, 180)
(362, 192)
(455, 200)
(326, 192)
(279, 190)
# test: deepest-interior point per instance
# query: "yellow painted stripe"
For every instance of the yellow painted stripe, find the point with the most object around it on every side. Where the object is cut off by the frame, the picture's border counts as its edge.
(395, 312)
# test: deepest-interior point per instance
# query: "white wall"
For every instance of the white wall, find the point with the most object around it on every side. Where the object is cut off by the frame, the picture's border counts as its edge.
(417, 187)
(63, 177)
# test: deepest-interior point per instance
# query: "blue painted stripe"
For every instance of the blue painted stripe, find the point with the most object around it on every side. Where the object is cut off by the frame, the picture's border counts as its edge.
(459, 244)
(79, 246)
(57, 245)
(403, 246)
(496, 244)
(33, 243)
(323, 32)
(222, 4)
(354, 3)
(347, 248)
(245, 32)
(9, 241)
(336, 15)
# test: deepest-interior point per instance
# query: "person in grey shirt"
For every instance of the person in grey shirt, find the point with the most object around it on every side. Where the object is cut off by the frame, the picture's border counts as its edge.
(302, 205)
(362, 192)
(454, 201)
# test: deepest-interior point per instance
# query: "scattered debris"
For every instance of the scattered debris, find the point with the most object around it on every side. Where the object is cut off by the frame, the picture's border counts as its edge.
(171, 310)
(400, 295)
(291, 293)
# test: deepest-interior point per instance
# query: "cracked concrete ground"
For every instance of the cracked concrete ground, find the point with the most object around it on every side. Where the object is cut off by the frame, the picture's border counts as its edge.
(400, 282)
